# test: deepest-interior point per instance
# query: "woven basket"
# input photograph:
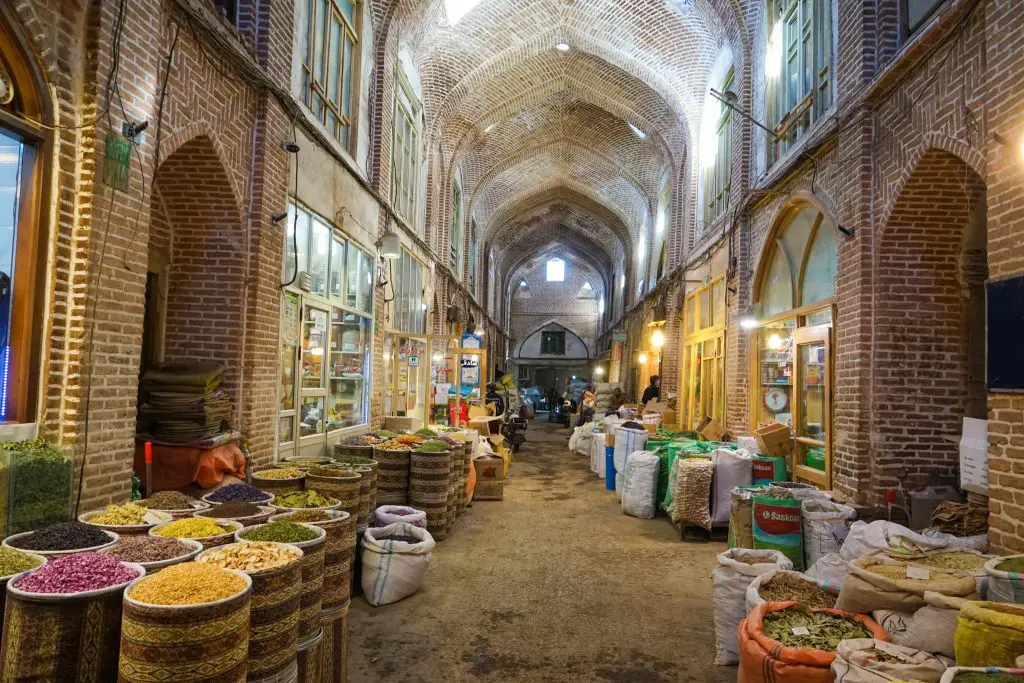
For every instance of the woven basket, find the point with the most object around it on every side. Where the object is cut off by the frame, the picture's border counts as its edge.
(356, 461)
(209, 541)
(252, 520)
(345, 487)
(343, 451)
(311, 656)
(202, 642)
(339, 555)
(274, 620)
(366, 492)
(335, 649)
(392, 476)
(197, 506)
(153, 518)
(278, 485)
(428, 489)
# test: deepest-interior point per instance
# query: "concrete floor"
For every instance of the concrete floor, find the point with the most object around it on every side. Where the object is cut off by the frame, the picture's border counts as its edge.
(552, 584)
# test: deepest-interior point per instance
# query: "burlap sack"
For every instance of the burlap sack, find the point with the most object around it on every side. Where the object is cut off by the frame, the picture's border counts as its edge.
(864, 591)
(856, 663)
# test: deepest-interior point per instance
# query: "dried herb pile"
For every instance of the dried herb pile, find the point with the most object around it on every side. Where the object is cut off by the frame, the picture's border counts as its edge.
(168, 500)
(783, 587)
(40, 487)
(825, 630)
(303, 499)
(953, 561)
(899, 571)
(1014, 564)
(984, 677)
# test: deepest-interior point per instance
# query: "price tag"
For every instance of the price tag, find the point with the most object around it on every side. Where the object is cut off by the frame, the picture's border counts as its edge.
(801, 631)
(918, 573)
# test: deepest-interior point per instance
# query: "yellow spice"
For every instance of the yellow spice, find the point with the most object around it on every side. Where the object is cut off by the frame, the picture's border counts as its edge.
(192, 527)
(187, 584)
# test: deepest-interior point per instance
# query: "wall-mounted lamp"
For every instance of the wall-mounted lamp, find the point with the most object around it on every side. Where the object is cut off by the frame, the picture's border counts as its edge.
(747, 319)
(849, 232)
(732, 101)
(657, 339)
(391, 245)
(599, 371)
(642, 358)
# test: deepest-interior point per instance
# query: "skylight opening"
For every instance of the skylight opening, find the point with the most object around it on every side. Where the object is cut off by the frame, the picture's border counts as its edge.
(456, 9)
(522, 283)
(639, 133)
(562, 45)
(556, 270)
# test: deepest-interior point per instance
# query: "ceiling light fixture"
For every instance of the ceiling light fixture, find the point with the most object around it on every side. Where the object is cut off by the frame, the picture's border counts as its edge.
(747, 319)
(562, 45)
(639, 133)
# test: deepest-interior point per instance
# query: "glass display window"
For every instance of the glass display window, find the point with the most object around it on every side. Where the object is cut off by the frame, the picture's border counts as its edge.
(319, 257)
(703, 367)
(349, 370)
(775, 372)
(314, 348)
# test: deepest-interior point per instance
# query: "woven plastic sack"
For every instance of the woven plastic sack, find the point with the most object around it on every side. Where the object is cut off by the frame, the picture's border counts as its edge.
(866, 591)
(392, 569)
(640, 485)
(989, 634)
(826, 525)
(1004, 586)
(953, 671)
(881, 536)
(397, 514)
(979, 542)
(763, 659)
(732, 469)
(627, 442)
(856, 663)
(741, 516)
(730, 579)
(777, 526)
(583, 441)
(693, 492)
(753, 596)
(929, 629)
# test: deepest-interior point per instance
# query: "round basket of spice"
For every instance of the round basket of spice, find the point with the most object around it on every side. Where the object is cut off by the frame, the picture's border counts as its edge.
(14, 562)
(246, 514)
(82, 575)
(160, 617)
(238, 493)
(208, 532)
(126, 520)
(174, 503)
(310, 499)
(304, 462)
(155, 553)
(62, 538)
(277, 479)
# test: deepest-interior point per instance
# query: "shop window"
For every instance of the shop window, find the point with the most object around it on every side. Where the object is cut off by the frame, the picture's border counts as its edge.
(798, 68)
(410, 308)
(405, 150)
(325, 332)
(660, 223)
(703, 365)
(329, 45)
(718, 169)
(555, 271)
(456, 231)
(792, 365)
(552, 343)
(917, 12)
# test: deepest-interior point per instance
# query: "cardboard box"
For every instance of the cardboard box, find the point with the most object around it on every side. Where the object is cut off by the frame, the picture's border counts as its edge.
(490, 478)
(651, 428)
(609, 439)
(668, 415)
(396, 423)
(774, 439)
(712, 430)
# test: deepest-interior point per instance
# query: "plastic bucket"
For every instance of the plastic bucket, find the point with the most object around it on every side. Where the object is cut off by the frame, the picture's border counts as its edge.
(609, 468)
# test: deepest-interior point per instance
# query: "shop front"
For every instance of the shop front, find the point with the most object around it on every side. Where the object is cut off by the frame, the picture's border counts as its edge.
(792, 365)
(703, 355)
(326, 335)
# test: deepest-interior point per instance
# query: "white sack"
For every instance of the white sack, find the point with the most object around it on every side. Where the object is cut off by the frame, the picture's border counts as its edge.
(880, 536)
(826, 525)
(1004, 586)
(749, 444)
(730, 579)
(732, 469)
(753, 595)
(393, 570)
(829, 571)
(856, 663)
(627, 441)
(597, 459)
(979, 542)
(396, 514)
(574, 438)
(640, 485)
(930, 629)
(584, 440)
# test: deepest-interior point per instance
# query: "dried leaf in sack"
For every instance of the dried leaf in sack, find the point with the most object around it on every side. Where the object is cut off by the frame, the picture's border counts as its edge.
(813, 630)
(783, 587)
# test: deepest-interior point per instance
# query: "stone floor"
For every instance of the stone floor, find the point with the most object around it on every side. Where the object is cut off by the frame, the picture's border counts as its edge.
(552, 584)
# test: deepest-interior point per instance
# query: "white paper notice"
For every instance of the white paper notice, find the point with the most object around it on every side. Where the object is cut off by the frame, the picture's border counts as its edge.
(918, 573)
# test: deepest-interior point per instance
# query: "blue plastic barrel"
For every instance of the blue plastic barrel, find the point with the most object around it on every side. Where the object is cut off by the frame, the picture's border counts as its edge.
(609, 468)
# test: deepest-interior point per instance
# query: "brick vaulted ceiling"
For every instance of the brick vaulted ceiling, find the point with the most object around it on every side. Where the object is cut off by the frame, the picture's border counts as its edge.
(542, 137)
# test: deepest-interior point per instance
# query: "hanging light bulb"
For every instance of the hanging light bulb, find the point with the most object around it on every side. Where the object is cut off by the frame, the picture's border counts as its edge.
(774, 342)
(657, 339)
(642, 358)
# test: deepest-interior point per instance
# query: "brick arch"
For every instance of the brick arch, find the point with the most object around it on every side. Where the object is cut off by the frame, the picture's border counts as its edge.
(793, 203)
(538, 328)
(928, 337)
(197, 130)
(579, 249)
(196, 222)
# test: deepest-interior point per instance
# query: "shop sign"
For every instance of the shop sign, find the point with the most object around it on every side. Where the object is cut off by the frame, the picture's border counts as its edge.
(471, 341)
(414, 361)
(619, 337)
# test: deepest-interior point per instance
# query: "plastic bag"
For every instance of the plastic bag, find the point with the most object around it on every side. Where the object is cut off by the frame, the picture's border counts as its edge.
(574, 438)
(597, 459)
(732, 469)
(396, 514)
(640, 485)
(989, 634)
(693, 492)
(930, 628)
(880, 536)
(826, 525)
(829, 571)
(866, 591)
(730, 579)
(764, 659)
(856, 663)
(753, 597)
(777, 526)
(394, 569)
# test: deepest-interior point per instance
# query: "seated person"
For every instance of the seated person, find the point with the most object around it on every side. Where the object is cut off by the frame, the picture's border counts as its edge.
(494, 397)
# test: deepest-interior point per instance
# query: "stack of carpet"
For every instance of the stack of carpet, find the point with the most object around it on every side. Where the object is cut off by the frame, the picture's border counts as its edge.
(183, 404)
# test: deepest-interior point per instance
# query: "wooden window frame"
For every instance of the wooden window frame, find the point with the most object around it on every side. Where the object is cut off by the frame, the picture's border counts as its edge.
(807, 52)
(315, 91)
(906, 30)
(405, 149)
(718, 176)
(546, 339)
(714, 331)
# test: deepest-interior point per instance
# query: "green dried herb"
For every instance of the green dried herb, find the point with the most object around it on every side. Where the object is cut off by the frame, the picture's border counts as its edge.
(825, 630)
(985, 677)
(40, 490)
(425, 432)
(302, 499)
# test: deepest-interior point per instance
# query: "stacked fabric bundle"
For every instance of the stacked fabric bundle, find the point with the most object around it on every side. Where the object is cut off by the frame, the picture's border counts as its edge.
(183, 404)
